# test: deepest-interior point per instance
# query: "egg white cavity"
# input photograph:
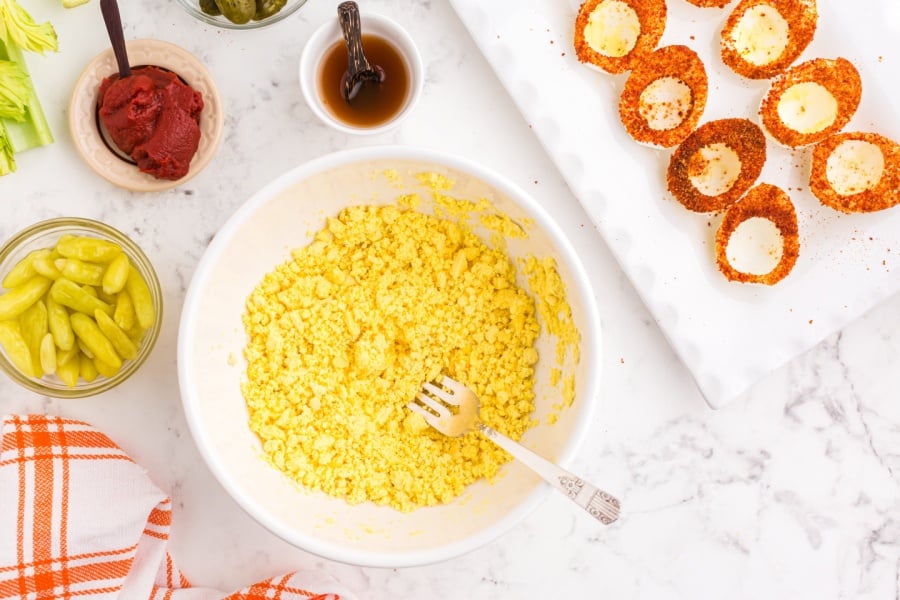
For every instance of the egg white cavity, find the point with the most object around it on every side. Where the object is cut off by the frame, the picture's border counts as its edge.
(807, 107)
(755, 247)
(665, 103)
(612, 29)
(854, 166)
(713, 169)
(760, 35)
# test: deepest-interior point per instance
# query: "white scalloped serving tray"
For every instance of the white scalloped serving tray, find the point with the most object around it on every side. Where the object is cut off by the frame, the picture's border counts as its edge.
(729, 335)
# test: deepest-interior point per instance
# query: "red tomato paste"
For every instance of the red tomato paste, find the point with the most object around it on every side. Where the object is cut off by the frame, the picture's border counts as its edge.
(153, 117)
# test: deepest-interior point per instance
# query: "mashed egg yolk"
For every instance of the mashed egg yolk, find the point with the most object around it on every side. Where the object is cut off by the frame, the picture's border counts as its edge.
(343, 335)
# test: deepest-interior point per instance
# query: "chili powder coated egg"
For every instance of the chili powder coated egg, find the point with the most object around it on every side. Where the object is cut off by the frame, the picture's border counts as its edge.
(664, 97)
(768, 205)
(613, 35)
(716, 164)
(811, 101)
(856, 172)
(761, 38)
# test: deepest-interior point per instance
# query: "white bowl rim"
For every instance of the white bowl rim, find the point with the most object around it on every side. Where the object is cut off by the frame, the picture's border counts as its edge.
(330, 31)
(186, 329)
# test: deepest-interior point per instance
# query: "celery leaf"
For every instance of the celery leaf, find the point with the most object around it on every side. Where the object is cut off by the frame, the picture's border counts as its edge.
(19, 28)
(7, 162)
(15, 90)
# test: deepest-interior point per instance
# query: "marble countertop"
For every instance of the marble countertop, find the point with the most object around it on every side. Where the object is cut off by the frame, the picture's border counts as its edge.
(791, 491)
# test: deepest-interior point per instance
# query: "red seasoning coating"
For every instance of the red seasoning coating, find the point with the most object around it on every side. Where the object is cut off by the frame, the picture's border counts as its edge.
(801, 17)
(676, 62)
(768, 202)
(877, 195)
(153, 117)
(742, 136)
(709, 3)
(652, 17)
(715, 166)
(838, 76)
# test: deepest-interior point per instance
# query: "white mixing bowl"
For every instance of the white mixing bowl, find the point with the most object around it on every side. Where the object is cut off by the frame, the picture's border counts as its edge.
(258, 237)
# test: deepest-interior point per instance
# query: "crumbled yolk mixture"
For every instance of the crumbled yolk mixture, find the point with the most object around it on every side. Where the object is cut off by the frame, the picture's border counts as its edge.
(556, 315)
(343, 335)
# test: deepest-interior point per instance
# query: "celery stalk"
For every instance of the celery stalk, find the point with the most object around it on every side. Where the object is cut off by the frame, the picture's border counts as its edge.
(33, 130)
(7, 161)
(22, 121)
(13, 90)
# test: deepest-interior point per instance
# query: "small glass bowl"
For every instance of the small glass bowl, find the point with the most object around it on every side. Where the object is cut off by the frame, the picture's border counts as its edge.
(45, 235)
(193, 9)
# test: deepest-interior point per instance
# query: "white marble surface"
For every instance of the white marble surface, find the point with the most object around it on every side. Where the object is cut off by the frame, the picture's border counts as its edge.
(792, 491)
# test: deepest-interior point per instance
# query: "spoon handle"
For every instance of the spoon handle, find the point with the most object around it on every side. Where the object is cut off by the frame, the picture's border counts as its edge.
(110, 10)
(348, 15)
(599, 504)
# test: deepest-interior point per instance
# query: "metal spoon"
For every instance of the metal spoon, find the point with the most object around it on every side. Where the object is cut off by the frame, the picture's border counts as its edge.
(110, 10)
(359, 71)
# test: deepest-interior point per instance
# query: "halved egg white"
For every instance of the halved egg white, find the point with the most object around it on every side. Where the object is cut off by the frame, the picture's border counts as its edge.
(716, 164)
(856, 172)
(758, 240)
(613, 35)
(761, 38)
(664, 97)
(811, 101)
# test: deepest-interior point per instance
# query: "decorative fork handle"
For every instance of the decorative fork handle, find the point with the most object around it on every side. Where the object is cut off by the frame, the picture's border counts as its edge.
(599, 504)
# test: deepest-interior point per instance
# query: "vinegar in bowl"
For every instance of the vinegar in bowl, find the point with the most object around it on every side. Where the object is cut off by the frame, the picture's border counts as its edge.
(376, 103)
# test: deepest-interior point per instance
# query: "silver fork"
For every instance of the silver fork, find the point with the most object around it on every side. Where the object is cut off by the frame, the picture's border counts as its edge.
(432, 403)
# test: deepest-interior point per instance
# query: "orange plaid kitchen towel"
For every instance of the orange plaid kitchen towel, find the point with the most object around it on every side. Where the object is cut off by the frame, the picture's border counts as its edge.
(90, 524)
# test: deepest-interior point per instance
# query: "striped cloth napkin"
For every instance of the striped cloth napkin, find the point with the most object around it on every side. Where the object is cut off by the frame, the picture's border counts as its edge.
(89, 524)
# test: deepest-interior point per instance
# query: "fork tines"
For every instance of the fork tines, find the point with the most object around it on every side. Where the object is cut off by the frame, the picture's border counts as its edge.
(432, 401)
(444, 390)
(427, 406)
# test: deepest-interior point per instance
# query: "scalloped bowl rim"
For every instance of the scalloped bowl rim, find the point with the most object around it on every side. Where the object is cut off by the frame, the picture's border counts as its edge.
(86, 136)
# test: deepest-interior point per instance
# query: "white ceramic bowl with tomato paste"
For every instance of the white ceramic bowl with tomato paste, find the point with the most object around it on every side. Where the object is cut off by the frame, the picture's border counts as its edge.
(100, 153)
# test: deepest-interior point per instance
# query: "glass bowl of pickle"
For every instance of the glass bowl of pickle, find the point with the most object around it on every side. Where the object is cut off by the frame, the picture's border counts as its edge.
(80, 307)
(241, 14)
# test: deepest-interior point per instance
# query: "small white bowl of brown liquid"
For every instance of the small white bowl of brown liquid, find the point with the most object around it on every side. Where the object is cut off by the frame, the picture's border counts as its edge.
(376, 105)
